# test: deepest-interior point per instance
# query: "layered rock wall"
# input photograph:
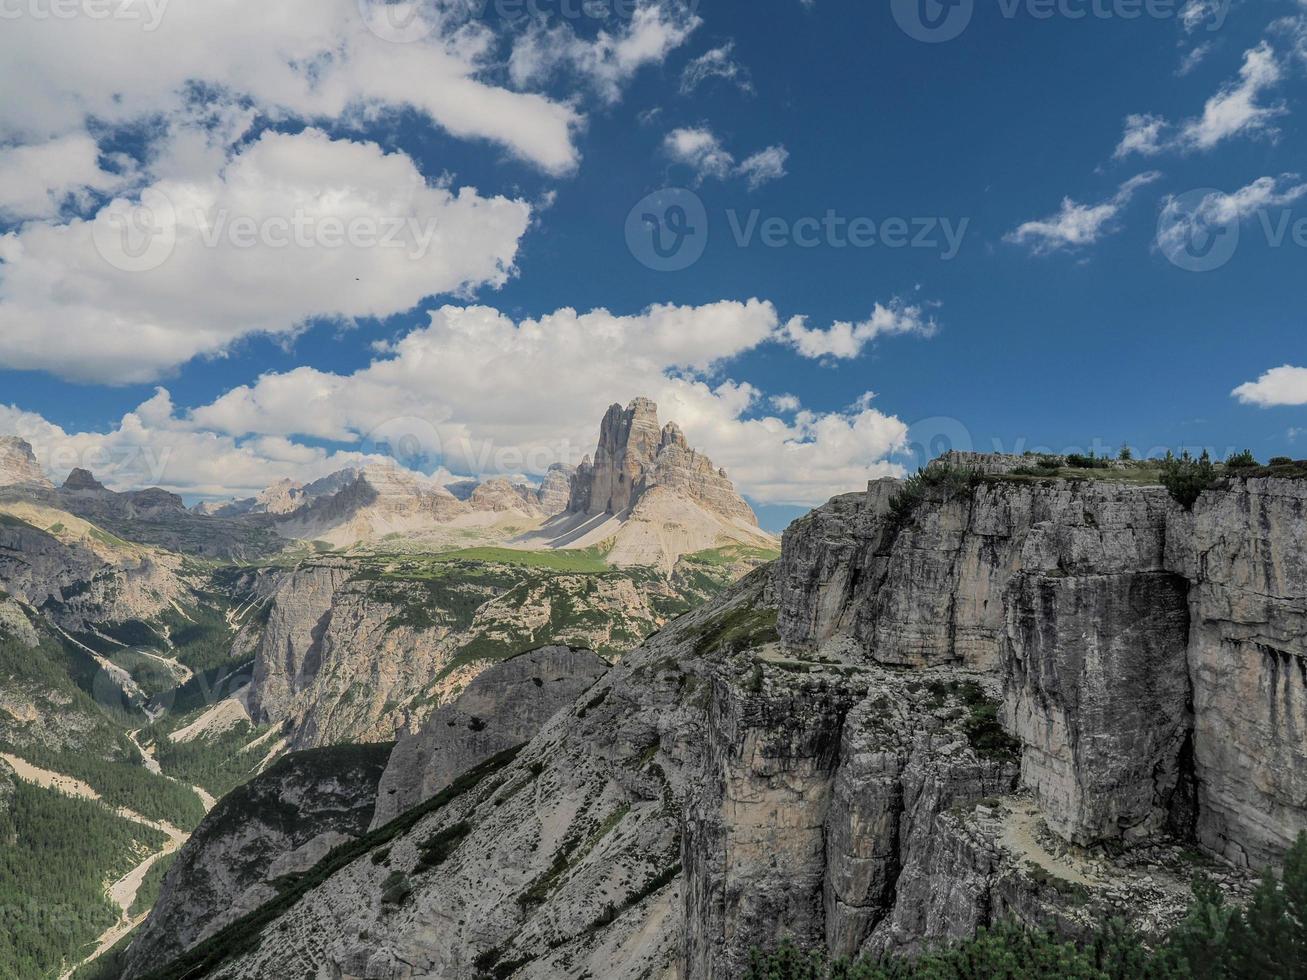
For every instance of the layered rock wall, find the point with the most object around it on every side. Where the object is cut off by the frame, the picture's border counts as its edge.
(1244, 551)
(504, 706)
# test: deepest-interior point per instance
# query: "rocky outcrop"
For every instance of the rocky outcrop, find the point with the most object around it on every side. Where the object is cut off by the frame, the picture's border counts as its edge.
(500, 495)
(504, 706)
(15, 624)
(931, 590)
(77, 578)
(289, 657)
(647, 498)
(1098, 692)
(80, 479)
(259, 836)
(555, 489)
(18, 465)
(629, 440)
(378, 501)
(634, 456)
(350, 655)
(282, 497)
(1003, 697)
(1244, 551)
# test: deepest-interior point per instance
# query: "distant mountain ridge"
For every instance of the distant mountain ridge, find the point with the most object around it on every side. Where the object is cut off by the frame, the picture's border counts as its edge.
(645, 497)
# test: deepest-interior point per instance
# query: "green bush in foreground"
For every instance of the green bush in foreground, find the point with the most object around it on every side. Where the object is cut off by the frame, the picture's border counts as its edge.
(1267, 940)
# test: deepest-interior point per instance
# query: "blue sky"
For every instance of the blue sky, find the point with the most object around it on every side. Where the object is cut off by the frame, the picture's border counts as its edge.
(1034, 157)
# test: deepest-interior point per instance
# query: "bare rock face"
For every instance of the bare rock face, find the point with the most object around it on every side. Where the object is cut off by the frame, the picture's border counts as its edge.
(504, 706)
(1016, 699)
(555, 489)
(290, 654)
(635, 455)
(277, 825)
(371, 504)
(1244, 549)
(347, 655)
(1098, 691)
(18, 465)
(77, 580)
(754, 854)
(80, 479)
(503, 495)
(628, 442)
(713, 792)
(931, 591)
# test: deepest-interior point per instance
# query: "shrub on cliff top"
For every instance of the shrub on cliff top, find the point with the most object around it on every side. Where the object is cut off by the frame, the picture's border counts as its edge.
(951, 480)
(1186, 478)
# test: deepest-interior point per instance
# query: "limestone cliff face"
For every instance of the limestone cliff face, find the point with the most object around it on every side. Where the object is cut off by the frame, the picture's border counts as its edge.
(932, 590)
(1244, 551)
(504, 706)
(1029, 699)
(1148, 654)
(77, 578)
(555, 489)
(274, 827)
(635, 455)
(347, 655)
(18, 465)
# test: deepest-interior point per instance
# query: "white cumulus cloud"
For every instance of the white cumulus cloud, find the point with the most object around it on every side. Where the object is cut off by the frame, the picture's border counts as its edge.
(1284, 385)
(295, 227)
(1077, 225)
(1238, 109)
(38, 179)
(844, 340)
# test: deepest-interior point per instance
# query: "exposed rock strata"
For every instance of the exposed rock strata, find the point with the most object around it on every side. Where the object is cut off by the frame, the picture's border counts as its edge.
(18, 465)
(504, 706)
(977, 710)
(279, 824)
(634, 456)
(1245, 552)
(348, 656)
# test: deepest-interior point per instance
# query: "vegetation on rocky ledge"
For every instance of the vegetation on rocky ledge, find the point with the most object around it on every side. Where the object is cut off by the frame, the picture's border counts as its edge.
(1215, 941)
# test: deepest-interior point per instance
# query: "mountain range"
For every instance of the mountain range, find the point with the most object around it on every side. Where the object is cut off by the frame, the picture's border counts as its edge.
(644, 499)
(626, 738)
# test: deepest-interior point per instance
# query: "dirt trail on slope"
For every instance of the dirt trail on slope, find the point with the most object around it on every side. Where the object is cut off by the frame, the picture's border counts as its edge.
(152, 764)
(122, 892)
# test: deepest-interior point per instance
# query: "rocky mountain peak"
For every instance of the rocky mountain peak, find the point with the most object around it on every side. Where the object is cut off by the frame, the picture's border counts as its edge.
(673, 436)
(556, 489)
(636, 455)
(80, 479)
(18, 463)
